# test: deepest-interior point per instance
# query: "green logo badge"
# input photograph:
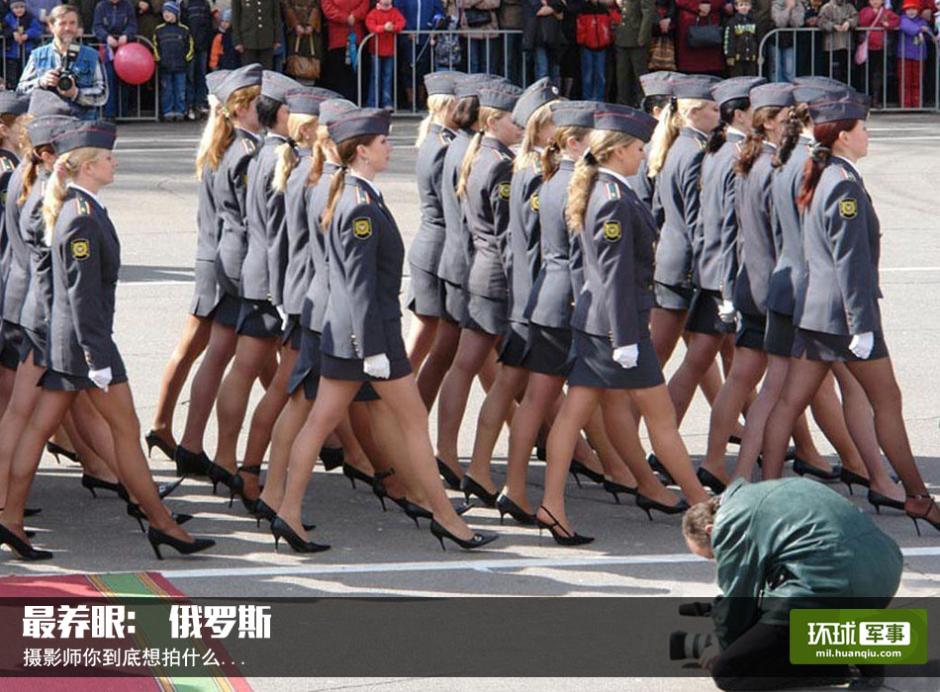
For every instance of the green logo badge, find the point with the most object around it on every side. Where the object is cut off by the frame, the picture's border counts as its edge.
(858, 636)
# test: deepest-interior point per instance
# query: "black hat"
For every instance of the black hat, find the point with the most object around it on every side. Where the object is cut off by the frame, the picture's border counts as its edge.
(845, 105)
(98, 134)
(772, 95)
(275, 85)
(534, 97)
(694, 86)
(307, 100)
(470, 84)
(332, 110)
(735, 88)
(12, 103)
(574, 113)
(502, 96)
(243, 77)
(45, 102)
(366, 121)
(636, 123)
(45, 128)
(658, 83)
(215, 79)
(442, 82)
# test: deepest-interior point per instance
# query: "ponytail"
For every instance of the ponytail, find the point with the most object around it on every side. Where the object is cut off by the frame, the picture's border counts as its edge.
(798, 119)
(66, 168)
(472, 149)
(528, 151)
(716, 138)
(286, 155)
(437, 111)
(205, 139)
(222, 132)
(553, 153)
(825, 135)
(600, 147)
(663, 136)
(346, 150)
(31, 171)
(754, 142)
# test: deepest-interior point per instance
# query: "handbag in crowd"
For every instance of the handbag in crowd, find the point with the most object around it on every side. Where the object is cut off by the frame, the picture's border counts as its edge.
(662, 53)
(478, 17)
(703, 35)
(861, 50)
(303, 66)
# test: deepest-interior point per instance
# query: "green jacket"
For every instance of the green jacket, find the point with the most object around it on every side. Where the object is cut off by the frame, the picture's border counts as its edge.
(256, 24)
(636, 23)
(794, 539)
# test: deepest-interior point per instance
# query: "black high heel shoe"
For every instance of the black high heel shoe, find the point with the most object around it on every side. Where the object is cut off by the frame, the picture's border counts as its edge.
(248, 503)
(450, 478)
(710, 480)
(480, 538)
(354, 474)
(134, 511)
(562, 536)
(154, 440)
(233, 481)
(414, 511)
(877, 500)
(22, 549)
(849, 477)
(190, 463)
(507, 506)
(616, 489)
(163, 489)
(734, 440)
(469, 487)
(802, 468)
(92, 482)
(378, 486)
(659, 469)
(57, 451)
(158, 538)
(280, 529)
(541, 452)
(648, 504)
(263, 511)
(577, 468)
(331, 457)
(915, 516)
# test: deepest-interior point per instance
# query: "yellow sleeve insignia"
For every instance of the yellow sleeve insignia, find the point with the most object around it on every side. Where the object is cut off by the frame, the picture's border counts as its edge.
(504, 189)
(81, 249)
(362, 228)
(612, 231)
(534, 202)
(848, 208)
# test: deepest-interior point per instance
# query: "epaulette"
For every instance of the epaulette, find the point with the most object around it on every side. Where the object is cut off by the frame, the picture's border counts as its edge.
(82, 206)
(613, 191)
(249, 145)
(6, 165)
(362, 197)
(503, 156)
(848, 175)
(537, 165)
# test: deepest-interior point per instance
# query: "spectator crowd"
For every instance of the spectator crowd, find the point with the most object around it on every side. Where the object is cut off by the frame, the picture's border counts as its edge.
(593, 49)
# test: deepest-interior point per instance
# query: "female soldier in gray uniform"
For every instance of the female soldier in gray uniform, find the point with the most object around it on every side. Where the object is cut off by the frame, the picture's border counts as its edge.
(836, 309)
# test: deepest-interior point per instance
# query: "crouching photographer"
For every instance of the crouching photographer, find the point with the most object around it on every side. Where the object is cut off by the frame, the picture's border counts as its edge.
(782, 544)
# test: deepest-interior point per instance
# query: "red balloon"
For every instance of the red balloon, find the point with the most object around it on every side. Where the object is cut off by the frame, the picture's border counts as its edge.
(134, 63)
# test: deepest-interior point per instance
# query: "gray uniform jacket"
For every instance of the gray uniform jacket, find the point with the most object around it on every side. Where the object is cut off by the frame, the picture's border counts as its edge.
(842, 246)
(230, 186)
(207, 240)
(318, 284)
(757, 254)
(86, 257)
(299, 263)
(38, 302)
(363, 316)
(486, 206)
(428, 244)
(645, 189)
(551, 299)
(455, 257)
(788, 231)
(524, 236)
(717, 230)
(16, 267)
(266, 258)
(677, 190)
(618, 238)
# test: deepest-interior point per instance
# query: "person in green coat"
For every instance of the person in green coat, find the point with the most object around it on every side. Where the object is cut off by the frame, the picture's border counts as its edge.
(632, 40)
(782, 544)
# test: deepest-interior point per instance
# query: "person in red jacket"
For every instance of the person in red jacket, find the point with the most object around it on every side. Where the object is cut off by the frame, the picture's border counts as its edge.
(343, 17)
(698, 60)
(385, 22)
(880, 18)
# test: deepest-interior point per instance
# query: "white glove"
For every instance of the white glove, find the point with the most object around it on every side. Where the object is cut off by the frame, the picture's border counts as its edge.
(726, 311)
(862, 344)
(377, 366)
(101, 378)
(627, 356)
(280, 311)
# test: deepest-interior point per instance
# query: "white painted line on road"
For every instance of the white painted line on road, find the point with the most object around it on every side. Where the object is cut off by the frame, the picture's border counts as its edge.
(910, 269)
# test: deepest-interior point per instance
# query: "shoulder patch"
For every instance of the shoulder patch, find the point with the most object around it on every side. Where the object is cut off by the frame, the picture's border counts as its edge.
(612, 231)
(534, 202)
(613, 191)
(249, 145)
(80, 249)
(504, 190)
(848, 208)
(362, 197)
(362, 228)
(82, 206)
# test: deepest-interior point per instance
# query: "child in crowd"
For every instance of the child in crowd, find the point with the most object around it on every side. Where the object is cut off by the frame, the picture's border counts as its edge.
(384, 21)
(223, 55)
(197, 15)
(21, 30)
(880, 18)
(173, 50)
(838, 18)
(915, 31)
(740, 41)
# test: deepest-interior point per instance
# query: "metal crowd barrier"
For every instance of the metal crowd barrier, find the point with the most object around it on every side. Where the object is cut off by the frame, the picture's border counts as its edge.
(808, 43)
(496, 51)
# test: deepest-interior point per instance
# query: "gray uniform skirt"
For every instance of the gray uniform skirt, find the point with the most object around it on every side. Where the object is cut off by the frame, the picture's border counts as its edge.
(258, 318)
(833, 348)
(351, 368)
(550, 351)
(206, 292)
(778, 339)
(226, 312)
(672, 297)
(12, 342)
(487, 315)
(515, 344)
(703, 315)
(62, 382)
(425, 294)
(34, 343)
(750, 332)
(306, 370)
(594, 365)
(455, 302)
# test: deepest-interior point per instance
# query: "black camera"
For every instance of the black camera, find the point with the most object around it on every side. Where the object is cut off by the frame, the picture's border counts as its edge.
(683, 645)
(66, 76)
